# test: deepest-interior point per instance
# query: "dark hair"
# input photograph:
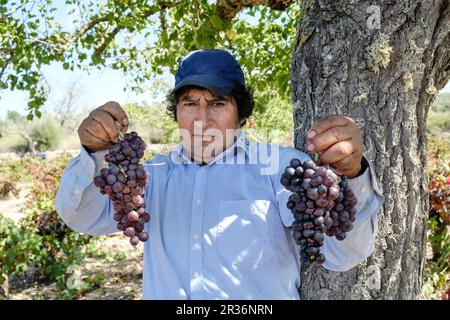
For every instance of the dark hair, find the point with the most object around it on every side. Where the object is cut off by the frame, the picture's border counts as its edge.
(242, 95)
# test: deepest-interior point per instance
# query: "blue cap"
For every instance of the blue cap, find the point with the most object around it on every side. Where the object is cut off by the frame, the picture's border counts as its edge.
(213, 69)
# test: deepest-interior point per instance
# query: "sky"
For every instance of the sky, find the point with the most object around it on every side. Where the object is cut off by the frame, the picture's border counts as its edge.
(96, 87)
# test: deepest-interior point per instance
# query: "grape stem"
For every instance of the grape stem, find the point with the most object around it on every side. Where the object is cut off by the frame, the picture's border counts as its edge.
(121, 170)
(316, 156)
(119, 127)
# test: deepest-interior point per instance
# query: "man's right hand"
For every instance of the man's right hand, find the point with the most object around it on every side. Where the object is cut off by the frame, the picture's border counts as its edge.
(101, 127)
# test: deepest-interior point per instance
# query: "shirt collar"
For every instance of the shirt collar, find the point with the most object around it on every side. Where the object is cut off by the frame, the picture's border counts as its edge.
(240, 145)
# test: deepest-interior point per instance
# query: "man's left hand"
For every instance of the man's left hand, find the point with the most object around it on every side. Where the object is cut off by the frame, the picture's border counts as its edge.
(339, 142)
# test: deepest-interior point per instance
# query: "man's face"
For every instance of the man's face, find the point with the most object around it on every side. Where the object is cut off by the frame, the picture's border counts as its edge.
(208, 123)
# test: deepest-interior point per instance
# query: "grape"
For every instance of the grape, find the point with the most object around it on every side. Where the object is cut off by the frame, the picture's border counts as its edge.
(114, 170)
(143, 236)
(316, 181)
(134, 240)
(121, 178)
(117, 187)
(305, 184)
(290, 171)
(319, 212)
(308, 225)
(129, 232)
(299, 172)
(133, 216)
(319, 221)
(344, 216)
(295, 163)
(309, 164)
(346, 226)
(341, 236)
(139, 227)
(308, 173)
(312, 193)
(333, 193)
(290, 205)
(123, 182)
(322, 189)
(321, 202)
(311, 250)
(318, 237)
(320, 258)
(310, 204)
(328, 221)
(98, 181)
(146, 217)
(307, 233)
(104, 172)
(300, 206)
(322, 172)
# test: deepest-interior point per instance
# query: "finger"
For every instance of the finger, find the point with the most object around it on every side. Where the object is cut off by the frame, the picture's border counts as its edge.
(108, 124)
(349, 165)
(329, 137)
(90, 140)
(327, 123)
(116, 111)
(337, 152)
(96, 129)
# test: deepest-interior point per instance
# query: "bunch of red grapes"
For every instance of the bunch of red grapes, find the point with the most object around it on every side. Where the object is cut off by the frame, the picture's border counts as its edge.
(124, 182)
(320, 203)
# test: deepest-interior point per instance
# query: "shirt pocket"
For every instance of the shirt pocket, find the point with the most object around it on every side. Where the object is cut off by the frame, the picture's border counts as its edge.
(243, 233)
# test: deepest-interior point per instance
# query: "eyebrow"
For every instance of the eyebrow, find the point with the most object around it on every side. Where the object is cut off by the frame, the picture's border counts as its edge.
(215, 99)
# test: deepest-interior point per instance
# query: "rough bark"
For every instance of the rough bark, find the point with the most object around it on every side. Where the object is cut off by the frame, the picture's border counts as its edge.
(386, 79)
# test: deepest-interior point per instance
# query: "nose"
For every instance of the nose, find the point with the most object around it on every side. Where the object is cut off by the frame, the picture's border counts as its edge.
(202, 117)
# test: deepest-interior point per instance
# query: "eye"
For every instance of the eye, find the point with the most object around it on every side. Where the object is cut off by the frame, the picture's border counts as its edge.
(189, 104)
(218, 104)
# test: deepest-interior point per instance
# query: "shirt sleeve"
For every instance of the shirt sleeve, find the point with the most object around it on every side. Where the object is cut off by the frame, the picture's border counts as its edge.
(79, 202)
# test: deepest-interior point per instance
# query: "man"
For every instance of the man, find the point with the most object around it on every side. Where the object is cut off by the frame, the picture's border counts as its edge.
(220, 228)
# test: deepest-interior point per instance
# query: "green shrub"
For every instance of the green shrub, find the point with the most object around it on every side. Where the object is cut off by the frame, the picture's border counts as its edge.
(19, 249)
(272, 120)
(42, 240)
(438, 122)
(437, 271)
(46, 133)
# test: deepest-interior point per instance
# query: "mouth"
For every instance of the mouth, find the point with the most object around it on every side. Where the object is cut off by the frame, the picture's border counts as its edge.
(203, 138)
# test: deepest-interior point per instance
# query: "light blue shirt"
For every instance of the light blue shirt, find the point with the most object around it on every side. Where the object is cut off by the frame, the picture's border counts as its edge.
(218, 231)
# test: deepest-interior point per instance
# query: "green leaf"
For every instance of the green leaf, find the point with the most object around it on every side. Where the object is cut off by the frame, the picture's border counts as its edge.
(216, 22)
(10, 253)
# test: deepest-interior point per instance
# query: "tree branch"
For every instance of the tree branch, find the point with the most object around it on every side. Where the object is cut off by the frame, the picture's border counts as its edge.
(119, 27)
(228, 9)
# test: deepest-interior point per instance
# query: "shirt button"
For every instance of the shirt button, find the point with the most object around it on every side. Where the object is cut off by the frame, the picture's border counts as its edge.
(196, 275)
(198, 201)
(195, 236)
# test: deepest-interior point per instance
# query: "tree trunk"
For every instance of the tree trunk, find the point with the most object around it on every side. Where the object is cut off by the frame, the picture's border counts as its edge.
(386, 79)
(30, 143)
